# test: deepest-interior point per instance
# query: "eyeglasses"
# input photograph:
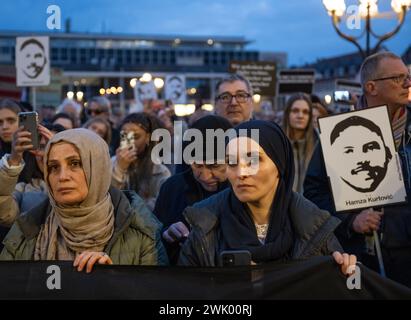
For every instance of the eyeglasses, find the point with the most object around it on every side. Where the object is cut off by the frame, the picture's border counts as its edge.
(240, 97)
(94, 111)
(400, 79)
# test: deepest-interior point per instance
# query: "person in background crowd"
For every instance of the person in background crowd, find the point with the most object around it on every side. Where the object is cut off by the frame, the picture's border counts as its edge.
(198, 182)
(71, 108)
(9, 122)
(21, 175)
(198, 113)
(133, 167)
(260, 213)
(318, 110)
(63, 119)
(297, 125)
(46, 113)
(83, 220)
(385, 80)
(233, 99)
(8, 125)
(101, 127)
(101, 107)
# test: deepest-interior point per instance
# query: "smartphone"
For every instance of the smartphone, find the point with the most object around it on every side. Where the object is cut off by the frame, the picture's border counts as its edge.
(127, 140)
(231, 258)
(342, 96)
(30, 122)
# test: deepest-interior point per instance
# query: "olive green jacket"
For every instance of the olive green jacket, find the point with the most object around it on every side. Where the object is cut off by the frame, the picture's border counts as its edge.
(136, 239)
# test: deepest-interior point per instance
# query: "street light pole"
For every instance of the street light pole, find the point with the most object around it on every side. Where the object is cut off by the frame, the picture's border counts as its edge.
(368, 29)
(336, 9)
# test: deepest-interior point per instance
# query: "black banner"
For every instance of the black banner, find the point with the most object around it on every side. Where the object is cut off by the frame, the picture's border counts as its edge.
(317, 278)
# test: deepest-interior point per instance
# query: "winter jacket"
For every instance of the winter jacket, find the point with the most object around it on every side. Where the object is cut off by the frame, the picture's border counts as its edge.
(135, 241)
(177, 193)
(16, 197)
(313, 230)
(120, 180)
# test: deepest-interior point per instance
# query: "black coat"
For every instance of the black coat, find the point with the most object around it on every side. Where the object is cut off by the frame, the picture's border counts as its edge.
(313, 230)
(176, 194)
(395, 228)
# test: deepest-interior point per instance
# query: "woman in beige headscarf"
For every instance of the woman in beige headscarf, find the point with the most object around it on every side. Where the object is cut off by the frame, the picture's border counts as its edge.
(83, 219)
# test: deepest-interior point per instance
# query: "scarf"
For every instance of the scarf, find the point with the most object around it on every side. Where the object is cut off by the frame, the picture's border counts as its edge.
(89, 225)
(237, 225)
(399, 121)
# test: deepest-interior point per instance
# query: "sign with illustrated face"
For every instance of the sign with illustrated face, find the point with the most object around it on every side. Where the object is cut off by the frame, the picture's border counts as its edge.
(32, 61)
(175, 88)
(362, 164)
(144, 91)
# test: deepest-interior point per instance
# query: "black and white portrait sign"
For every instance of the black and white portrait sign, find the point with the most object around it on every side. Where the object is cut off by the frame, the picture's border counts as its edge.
(361, 160)
(32, 61)
(145, 91)
(175, 88)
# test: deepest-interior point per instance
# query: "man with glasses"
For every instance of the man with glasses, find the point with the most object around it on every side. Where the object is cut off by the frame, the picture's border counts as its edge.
(385, 80)
(233, 99)
(101, 107)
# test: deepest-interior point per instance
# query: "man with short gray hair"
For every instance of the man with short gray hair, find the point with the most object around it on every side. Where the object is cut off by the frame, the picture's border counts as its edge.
(385, 80)
(99, 106)
(234, 99)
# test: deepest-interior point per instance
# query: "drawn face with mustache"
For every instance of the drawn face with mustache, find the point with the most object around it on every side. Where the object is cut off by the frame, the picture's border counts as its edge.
(35, 58)
(363, 157)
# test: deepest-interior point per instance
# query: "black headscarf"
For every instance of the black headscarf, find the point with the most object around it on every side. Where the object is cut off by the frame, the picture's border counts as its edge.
(237, 225)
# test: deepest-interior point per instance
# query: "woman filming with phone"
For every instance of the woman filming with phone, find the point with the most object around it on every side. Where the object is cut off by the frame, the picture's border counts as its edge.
(260, 213)
(133, 168)
(21, 173)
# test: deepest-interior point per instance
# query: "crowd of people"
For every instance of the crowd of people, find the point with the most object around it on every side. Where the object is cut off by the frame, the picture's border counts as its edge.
(62, 201)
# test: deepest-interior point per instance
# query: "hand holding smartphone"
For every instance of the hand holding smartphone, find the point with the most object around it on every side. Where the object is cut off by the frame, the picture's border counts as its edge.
(127, 140)
(29, 120)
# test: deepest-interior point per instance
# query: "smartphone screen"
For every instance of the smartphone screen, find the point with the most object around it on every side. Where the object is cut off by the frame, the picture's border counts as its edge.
(342, 96)
(235, 258)
(30, 121)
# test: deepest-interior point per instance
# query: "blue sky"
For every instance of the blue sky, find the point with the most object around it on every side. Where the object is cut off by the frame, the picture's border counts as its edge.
(301, 28)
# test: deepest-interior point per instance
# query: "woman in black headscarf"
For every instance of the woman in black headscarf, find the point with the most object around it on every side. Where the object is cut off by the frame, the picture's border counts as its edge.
(260, 213)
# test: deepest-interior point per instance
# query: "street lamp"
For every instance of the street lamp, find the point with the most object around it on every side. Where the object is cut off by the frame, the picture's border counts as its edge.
(158, 83)
(367, 9)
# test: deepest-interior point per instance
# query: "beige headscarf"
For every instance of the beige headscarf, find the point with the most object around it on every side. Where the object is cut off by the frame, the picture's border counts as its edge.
(70, 230)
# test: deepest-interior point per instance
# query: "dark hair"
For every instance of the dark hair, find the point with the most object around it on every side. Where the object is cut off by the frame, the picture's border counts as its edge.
(31, 41)
(31, 170)
(359, 121)
(354, 121)
(10, 105)
(141, 172)
(63, 115)
(309, 131)
(54, 127)
(174, 78)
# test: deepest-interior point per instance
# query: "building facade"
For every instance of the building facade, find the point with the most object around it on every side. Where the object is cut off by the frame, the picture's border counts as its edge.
(89, 62)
